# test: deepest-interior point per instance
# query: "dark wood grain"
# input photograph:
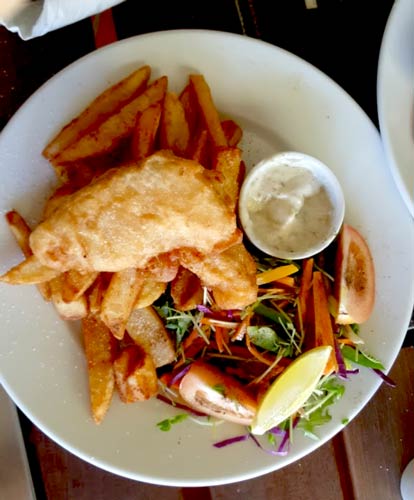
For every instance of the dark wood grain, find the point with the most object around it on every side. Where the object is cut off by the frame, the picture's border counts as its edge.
(380, 442)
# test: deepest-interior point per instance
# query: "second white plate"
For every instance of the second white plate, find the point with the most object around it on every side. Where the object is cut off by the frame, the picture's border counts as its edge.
(395, 94)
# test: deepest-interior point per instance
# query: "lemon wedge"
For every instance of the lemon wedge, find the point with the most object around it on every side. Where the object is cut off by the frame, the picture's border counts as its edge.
(291, 389)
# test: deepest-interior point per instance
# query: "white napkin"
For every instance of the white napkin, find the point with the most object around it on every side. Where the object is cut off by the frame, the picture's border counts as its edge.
(41, 16)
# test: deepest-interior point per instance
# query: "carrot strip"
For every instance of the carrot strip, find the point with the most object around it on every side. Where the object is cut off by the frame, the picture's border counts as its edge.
(345, 341)
(305, 286)
(219, 338)
(241, 329)
(288, 281)
(190, 339)
(323, 326)
(255, 353)
(218, 322)
(276, 274)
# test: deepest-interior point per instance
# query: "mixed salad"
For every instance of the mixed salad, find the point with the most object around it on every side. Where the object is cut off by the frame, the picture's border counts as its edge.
(295, 311)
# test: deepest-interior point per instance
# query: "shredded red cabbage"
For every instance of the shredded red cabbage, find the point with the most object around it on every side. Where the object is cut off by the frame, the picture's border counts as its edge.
(342, 372)
(267, 450)
(179, 374)
(355, 371)
(235, 439)
(204, 309)
(224, 315)
(277, 431)
(385, 377)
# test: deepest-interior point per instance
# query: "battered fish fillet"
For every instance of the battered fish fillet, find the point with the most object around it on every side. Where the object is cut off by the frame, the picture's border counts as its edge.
(134, 213)
(231, 276)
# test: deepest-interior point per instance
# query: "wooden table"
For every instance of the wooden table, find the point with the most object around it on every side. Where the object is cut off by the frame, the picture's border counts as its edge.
(342, 38)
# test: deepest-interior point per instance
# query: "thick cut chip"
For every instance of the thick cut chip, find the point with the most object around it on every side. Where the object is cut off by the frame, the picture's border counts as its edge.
(146, 329)
(70, 311)
(226, 162)
(230, 275)
(100, 350)
(21, 231)
(198, 149)
(29, 272)
(145, 132)
(186, 290)
(232, 131)
(110, 132)
(208, 111)
(175, 132)
(189, 104)
(99, 110)
(75, 284)
(135, 375)
(130, 215)
(119, 299)
(96, 293)
(149, 292)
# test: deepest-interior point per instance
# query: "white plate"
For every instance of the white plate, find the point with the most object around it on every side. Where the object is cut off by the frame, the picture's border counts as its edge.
(395, 96)
(14, 465)
(282, 103)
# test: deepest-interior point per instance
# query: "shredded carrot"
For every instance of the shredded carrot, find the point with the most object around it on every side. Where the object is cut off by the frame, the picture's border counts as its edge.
(305, 287)
(345, 341)
(288, 281)
(218, 322)
(323, 325)
(256, 353)
(190, 339)
(166, 378)
(219, 338)
(241, 329)
(275, 274)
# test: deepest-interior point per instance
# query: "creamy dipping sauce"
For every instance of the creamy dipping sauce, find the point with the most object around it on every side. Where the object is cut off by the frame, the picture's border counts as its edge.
(291, 205)
(289, 209)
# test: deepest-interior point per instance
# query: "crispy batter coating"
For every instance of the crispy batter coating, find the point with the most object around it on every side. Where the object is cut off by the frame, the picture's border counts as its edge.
(134, 213)
(231, 276)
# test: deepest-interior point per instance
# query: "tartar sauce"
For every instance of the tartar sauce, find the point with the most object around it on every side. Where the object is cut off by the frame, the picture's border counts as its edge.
(288, 209)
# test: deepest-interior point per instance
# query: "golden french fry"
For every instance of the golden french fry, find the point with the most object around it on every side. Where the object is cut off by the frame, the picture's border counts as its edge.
(29, 272)
(115, 128)
(145, 132)
(135, 375)
(208, 111)
(198, 149)
(100, 349)
(106, 104)
(119, 299)
(189, 104)
(21, 231)
(96, 293)
(232, 131)
(149, 292)
(76, 283)
(146, 329)
(186, 290)
(69, 311)
(174, 132)
(226, 161)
